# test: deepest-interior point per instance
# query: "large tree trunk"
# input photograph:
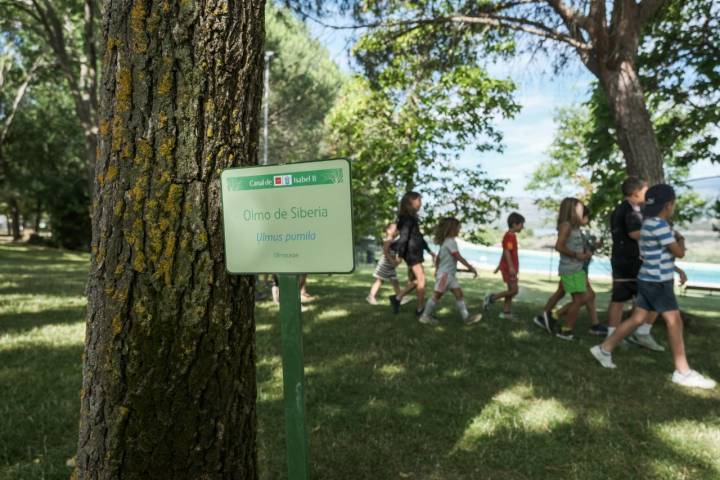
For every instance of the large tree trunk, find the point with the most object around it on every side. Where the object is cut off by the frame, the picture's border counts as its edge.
(634, 128)
(169, 371)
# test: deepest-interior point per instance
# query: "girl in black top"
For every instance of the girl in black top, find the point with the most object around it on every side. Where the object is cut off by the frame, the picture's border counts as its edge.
(410, 246)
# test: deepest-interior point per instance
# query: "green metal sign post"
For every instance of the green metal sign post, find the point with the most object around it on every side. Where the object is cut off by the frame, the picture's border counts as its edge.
(293, 377)
(289, 219)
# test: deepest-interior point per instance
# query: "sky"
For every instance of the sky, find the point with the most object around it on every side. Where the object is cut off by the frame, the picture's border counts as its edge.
(529, 134)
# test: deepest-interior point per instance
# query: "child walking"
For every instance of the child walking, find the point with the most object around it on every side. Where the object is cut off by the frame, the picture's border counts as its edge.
(446, 232)
(659, 246)
(508, 267)
(385, 269)
(573, 256)
(410, 247)
(546, 320)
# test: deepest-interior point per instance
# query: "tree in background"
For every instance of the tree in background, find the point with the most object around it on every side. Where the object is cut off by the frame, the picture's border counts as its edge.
(304, 83)
(605, 36)
(169, 385)
(678, 69)
(46, 166)
(405, 136)
(63, 31)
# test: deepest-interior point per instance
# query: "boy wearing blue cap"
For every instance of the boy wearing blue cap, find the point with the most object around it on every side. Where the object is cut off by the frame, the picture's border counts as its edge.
(659, 246)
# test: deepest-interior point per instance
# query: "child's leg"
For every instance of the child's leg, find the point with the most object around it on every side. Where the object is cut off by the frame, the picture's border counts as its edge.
(674, 323)
(624, 329)
(431, 303)
(460, 302)
(578, 299)
(420, 285)
(396, 287)
(512, 292)
(590, 305)
(555, 298)
(375, 288)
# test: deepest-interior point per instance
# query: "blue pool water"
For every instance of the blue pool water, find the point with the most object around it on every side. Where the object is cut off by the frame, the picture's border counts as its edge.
(547, 262)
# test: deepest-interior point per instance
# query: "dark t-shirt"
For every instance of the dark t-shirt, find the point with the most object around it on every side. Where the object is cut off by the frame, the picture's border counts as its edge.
(625, 250)
(411, 243)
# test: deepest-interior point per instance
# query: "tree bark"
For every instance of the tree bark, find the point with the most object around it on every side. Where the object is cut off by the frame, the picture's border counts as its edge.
(169, 370)
(634, 129)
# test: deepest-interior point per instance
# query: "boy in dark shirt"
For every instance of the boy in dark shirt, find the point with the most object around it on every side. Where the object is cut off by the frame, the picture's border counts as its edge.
(625, 224)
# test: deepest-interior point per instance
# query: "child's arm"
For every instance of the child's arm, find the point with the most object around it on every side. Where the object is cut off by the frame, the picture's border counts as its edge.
(508, 260)
(467, 264)
(561, 244)
(683, 275)
(386, 248)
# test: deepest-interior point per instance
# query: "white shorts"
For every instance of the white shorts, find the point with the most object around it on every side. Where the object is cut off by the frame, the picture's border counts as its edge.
(445, 281)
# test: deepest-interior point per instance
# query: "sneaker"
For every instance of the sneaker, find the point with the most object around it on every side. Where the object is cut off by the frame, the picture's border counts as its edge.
(605, 359)
(693, 379)
(599, 330)
(487, 301)
(371, 300)
(419, 313)
(565, 334)
(646, 341)
(395, 304)
(543, 321)
(428, 320)
(473, 319)
(405, 300)
(507, 316)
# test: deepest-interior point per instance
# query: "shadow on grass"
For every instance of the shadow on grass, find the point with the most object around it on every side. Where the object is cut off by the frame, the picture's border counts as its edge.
(389, 398)
(15, 323)
(39, 410)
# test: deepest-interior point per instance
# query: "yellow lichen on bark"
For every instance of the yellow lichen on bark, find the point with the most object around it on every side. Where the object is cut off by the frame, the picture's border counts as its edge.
(117, 132)
(111, 173)
(116, 325)
(123, 94)
(139, 262)
(104, 127)
(172, 203)
(138, 13)
(137, 193)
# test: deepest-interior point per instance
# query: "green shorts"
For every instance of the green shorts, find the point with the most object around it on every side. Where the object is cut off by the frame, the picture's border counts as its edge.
(575, 282)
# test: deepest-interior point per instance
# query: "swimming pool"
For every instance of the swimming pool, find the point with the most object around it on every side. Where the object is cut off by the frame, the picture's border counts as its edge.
(547, 262)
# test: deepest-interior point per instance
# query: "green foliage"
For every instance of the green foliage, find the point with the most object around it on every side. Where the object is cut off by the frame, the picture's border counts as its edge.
(45, 165)
(402, 138)
(678, 69)
(584, 162)
(304, 82)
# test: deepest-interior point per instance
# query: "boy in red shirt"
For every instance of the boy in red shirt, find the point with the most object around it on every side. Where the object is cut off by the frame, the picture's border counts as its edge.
(509, 266)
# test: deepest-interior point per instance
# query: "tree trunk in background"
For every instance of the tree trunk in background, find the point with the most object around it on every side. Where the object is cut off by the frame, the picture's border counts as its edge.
(169, 371)
(38, 215)
(635, 134)
(15, 219)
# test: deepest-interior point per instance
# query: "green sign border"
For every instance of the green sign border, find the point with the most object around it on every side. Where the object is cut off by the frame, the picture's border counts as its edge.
(352, 219)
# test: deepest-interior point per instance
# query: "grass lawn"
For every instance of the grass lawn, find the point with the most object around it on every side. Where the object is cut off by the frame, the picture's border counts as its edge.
(386, 396)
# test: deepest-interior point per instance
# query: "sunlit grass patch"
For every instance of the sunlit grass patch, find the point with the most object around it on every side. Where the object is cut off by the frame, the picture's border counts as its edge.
(515, 409)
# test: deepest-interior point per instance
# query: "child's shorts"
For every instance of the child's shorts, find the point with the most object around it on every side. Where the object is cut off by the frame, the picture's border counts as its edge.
(445, 282)
(656, 296)
(574, 282)
(509, 278)
(385, 270)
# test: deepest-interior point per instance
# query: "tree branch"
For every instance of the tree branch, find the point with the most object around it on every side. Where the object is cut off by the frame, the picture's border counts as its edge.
(493, 20)
(647, 9)
(19, 95)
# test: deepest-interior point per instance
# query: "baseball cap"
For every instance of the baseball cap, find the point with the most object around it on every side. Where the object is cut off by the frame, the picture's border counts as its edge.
(656, 197)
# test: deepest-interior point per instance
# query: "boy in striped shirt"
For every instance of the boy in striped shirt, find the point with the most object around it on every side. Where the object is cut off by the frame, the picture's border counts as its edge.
(659, 246)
